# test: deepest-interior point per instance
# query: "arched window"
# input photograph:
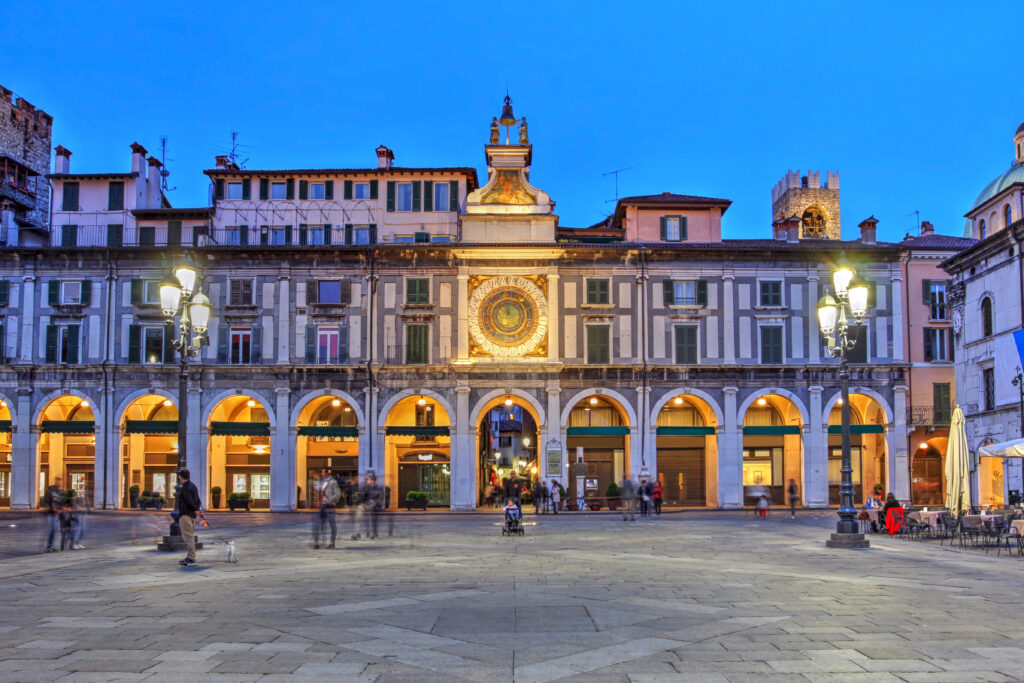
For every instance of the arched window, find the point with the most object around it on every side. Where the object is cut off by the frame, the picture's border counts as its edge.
(986, 317)
(1007, 215)
(981, 229)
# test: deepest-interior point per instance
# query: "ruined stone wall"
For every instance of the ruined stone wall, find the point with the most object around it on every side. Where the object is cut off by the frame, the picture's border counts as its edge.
(25, 136)
(797, 200)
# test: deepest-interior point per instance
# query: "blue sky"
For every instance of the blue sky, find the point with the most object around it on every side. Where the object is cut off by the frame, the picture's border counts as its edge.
(914, 103)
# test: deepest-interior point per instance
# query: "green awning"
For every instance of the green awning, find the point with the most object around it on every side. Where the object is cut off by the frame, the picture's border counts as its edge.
(309, 430)
(67, 427)
(150, 426)
(857, 429)
(771, 430)
(5, 425)
(239, 429)
(685, 431)
(417, 431)
(597, 431)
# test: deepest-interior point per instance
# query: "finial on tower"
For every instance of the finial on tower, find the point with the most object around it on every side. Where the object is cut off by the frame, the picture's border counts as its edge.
(507, 119)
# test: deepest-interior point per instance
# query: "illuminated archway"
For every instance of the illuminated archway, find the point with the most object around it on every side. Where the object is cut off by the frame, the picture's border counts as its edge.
(772, 445)
(508, 443)
(868, 447)
(5, 452)
(327, 438)
(417, 449)
(238, 450)
(598, 446)
(149, 447)
(687, 445)
(67, 445)
(991, 479)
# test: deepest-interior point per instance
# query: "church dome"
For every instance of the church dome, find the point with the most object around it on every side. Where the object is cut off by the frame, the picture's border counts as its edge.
(1015, 175)
(1020, 129)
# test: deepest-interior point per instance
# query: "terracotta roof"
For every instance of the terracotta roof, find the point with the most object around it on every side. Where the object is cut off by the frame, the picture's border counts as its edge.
(89, 176)
(668, 199)
(394, 170)
(934, 241)
(171, 212)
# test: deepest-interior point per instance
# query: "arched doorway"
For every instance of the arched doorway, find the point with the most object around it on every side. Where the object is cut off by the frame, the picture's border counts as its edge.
(991, 481)
(597, 439)
(927, 473)
(149, 447)
(328, 439)
(5, 454)
(238, 452)
(687, 450)
(418, 450)
(772, 448)
(867, 448)
(67, 446)
(508, 435)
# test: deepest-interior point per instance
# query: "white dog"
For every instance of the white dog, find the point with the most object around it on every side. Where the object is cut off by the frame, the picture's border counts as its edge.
(229, 552)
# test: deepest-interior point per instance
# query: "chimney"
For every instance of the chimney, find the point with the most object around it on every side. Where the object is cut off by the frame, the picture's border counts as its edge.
(153, 184)
(868, 230)
(779, 230)
(793, 228)
(385, 157)
(138, 158)
(927, 228)
(222, 161)
(63, 163)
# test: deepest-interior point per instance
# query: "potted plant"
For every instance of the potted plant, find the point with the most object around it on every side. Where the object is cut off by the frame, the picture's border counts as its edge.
(215, 494)
(611, 494)
(878, 489)
(416, 499)
(157, 501)
(133, 495)
(238, 501)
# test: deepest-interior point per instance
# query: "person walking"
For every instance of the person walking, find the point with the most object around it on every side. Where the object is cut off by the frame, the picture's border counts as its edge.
(656, 496)
(80, 505)
(644, 497)
(373, 499)
(53, 499)
(556, 496)
(793, 498)
(330, 494)
(188, 507)
(628, 494)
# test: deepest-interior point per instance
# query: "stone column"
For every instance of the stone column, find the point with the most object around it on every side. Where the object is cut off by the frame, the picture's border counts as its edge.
(644, 435)
(554, 317)
(463, 470)
(114, 468)
(285, 335)
(28, 322)
(897, 317)
(813, 331)
(552, 433)
(730, 454)
(815, 484)
(24, 454)
(197, 444)
(728, 319)
(462, 324)
(282, 456)
(100, 464)
(898, 474)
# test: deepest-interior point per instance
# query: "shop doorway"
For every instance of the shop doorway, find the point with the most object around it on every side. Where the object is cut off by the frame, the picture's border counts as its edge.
(328, 439)
(67, 447)
(927, 475)
(417, 428)
(149, 449)
(239, 451)
(867, 448)
(428, 472)
(772, 448)
(5, 454)
(598, 444)
(686, 443)
(507, 437)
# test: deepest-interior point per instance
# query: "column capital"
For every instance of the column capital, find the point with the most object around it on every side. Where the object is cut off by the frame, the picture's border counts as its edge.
(462, 390)
(282, 391)
(816, 389)
(900, 388)
(728, 277)
(462, 276)
(28, 278)
(554, 391)
(813, 277)
(553, 276)
(730, 391)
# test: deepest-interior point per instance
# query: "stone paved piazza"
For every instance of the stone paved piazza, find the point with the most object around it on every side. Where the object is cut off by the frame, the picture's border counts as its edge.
(699, 596)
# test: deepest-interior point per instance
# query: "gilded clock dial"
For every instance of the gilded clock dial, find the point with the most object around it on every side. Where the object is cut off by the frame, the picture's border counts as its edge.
(508, 316)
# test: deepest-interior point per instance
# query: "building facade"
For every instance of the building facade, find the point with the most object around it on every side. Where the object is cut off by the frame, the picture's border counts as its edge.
(413, 323)
(25, 135)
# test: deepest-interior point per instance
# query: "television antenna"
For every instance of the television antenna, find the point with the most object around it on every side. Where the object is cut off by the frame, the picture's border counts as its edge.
(615, 173)
(164, 173)
(233, 154)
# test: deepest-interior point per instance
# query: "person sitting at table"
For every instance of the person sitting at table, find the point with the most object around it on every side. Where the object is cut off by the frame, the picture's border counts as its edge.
(890, 503)
(874, 502)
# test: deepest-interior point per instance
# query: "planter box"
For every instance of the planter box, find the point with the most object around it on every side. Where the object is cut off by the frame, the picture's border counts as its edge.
(411, 505)
(238, 505)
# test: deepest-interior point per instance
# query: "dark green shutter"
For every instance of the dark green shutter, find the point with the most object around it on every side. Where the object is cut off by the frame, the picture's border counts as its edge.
(428, 195)
(310, 343)
(287, 234)
(686, 344)
(264, 234)
(343, 344)
(174, 233)
(115, 234)
(74, 331)
(669, 290)
(303, 234)
(373, 189)
(926, 294)
(51, 343)
(218, 188)
(348, 189)
(86, 293)
(929, 353)
(702, 292)
(941, 403)
(453, 195)
(137, 291)
(168, 343)
(70, 201)
(246, 188)
(327, 233)
(416, 339)
(289, 188)
(682, 227)
(373, 233)
(115, 196)
(5, 293)
(243, 235)
(264, 188)
(391, 196)
(303, 189)
(416, 197)
(859, 352)
(311, 292)
(53, 294)
(256, 347)
(135, 343)
(664, 229)
(348, 233)
(952, 347)
(69, 235)
(329, 189)
(224, 344)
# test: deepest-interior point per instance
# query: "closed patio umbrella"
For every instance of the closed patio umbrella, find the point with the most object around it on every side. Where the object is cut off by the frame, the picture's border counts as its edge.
(958, 492)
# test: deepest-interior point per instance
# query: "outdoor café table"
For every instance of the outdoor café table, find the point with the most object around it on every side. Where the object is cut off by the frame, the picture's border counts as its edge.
(1018, 524)
(931, 518)
(872, 518)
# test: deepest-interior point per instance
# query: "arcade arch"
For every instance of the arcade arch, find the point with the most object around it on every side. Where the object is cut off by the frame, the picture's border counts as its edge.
(417, 449)
(5, 453)
(508, 440)
(327, 438)
(238, 450)
(149, 447)
(772, 446)
(687, 449)
(598, 445)
(67, 445)
(868, 448)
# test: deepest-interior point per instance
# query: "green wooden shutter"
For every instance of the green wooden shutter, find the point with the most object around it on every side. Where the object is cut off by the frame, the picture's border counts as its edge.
(669, 291)
(5, 293)
(391, 196)
(428, 195)
(287, 234)
(416, 196)
(664, 229)
(243, 235)
(115, 196)
(373, 233)
(303, 234)
(348, 189)
(256, 345)
(329, 189)
(310, 343)
(682, 227)
(264, 188)
(373, 189)
(86, 293)
(686, 344)
(416, 338)
(453, 195)
(69, 235)
(929, 352)
(168, 343)
(70, 200)
(115, 235)
(327, 233)
(343, 344)
(51, 343)
(289, 188)
(303, 189)
(926, 294)
(134, 343)
(137, 291)
(702, 292)
(246, 188)
(218, 188)
(74, 331)
(348, 233)
(223, 344)
(311, 291)
(53, 294)
(174, 233)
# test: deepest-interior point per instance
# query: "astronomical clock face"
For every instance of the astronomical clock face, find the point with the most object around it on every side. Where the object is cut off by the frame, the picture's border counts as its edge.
(508, 316)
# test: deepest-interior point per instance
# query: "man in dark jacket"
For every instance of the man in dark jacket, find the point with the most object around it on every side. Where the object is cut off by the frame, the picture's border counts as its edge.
(53, 499)
(188, 507)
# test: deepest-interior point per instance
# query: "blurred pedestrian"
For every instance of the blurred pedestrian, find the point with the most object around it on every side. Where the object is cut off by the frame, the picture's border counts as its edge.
(793, 498)
(627, 492)
(373, 501)
(80, 506)
(356, 509)
(556, 496)
(762, 506)
(656, 496)
(53, 499)
(188, 505)
(330, 494)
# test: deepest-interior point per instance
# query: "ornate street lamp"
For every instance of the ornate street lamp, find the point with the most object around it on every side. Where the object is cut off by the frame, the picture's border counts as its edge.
(184, 305)
(834, 313)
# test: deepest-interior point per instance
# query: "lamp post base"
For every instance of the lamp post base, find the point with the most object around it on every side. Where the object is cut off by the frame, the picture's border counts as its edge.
(851, 541)
(172, 543)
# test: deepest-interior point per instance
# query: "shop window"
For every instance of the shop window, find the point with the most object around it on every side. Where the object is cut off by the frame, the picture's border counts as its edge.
(425, 415)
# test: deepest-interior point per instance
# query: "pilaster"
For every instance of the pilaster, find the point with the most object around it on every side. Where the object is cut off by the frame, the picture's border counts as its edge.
(897, 317)
(282, 456)
(554, 317)
(24, 455)
(197, 442)
(463, 471)
(815, 470)
(285, 336)
(730, 455)
(462, 306)
(728, 318)
(813, 340)
(896, 443)
(28, 321)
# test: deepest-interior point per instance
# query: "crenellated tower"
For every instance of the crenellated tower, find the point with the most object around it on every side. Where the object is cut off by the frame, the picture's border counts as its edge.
(816, 205)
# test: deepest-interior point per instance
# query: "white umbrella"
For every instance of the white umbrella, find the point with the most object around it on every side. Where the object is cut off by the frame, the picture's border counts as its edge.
(958, 494)
(1006, 449)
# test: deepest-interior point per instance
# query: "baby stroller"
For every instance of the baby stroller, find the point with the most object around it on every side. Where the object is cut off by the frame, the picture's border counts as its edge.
(513, 522)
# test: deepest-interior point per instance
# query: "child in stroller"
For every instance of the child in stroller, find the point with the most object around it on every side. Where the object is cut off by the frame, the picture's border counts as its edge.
(513, 519)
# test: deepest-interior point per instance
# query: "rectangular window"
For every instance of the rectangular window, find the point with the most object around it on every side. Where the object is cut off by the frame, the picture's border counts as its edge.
(686, 344)
(941, 403)
(684, 292)
(241, 345)
(361, 234)
(115, 196)
(153, 345)
(672, 229)
(598, 291)
(362, 191)
(67, 340)
(599, 344)
(233, 235)
(771, 292)
(771, 344)
(71, 293)
(504, 442)
(316, 234)
(332, 292)
(70, 199)
(417, 339)
(835, 465)
(234, 190)
(417, 291)
(424, 415)
(151, 292)
(277, 234)
(404, 197)
(317, 191)
(240, 292)
(859, 352)
(441, 195)
(277, 191)
(327, 343)
(937, 299)
(988, 381)
(937, 344)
